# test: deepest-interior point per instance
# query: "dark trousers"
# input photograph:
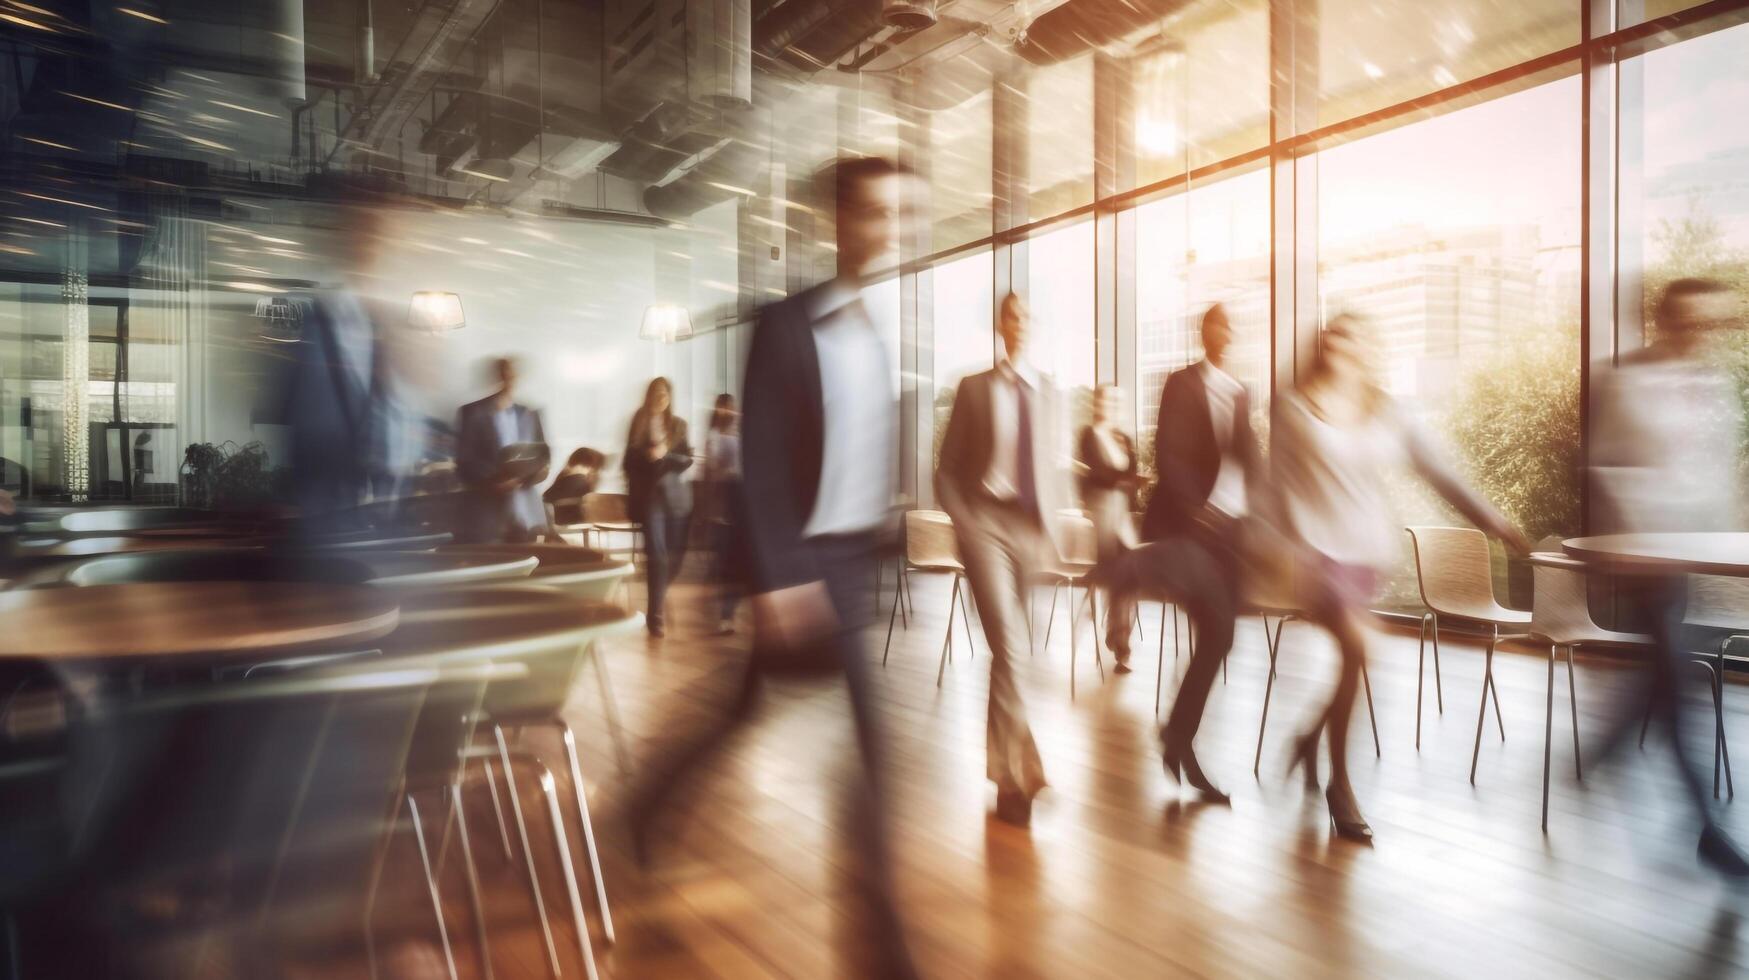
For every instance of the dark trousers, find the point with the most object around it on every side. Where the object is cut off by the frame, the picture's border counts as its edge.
(1200, 573)
(664, 549)
(1665, 601)
(847, 563)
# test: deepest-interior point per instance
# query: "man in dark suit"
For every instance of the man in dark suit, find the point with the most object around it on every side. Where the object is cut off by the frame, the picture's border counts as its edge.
(819, 459)
(1205, 456)
(1000, 478)
(504, 502)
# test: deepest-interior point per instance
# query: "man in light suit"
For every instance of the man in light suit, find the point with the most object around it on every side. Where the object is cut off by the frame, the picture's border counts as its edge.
(1001, 481)
(819, 461)
(1206, 458)
(503, 505)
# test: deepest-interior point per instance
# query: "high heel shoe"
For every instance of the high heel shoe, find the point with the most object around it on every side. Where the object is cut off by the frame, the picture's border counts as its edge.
(1345, 818)
(1180, 763)
(1305, 759)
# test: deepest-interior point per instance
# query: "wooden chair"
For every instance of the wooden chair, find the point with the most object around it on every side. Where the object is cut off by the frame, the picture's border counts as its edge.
(1081, 555)
(1264, 604)
(1561, 617)
(1457, 582)
(930, 546)
(610, 513)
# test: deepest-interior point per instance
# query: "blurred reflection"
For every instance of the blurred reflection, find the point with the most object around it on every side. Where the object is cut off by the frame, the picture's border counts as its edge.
(1334, 437)
(1665, 458)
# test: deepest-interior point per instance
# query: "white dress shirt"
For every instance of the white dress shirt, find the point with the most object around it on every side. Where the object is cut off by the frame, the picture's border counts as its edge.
(525, 503)
(1228, 493)
(1003, 478)
(858, 463)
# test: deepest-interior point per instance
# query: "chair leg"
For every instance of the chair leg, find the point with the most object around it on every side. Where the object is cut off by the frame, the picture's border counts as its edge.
(1174, 637)
(1160, 663)
(1074, 632)
(966, 620)
(1438, 685)
(1050, 620)
(1482, 710)
(1548, 734)
(1268, 690)
(1093, 619)
(373, 882)
(898, 593)
(610, 710)
(1724, 751)
(1031, 646)
(1366, 684)
(549, 789)
(1136, 618)
(1494, 692)
(498, 808)
(540, 905)
(431, 885)
(473, 872)
(910, 611)
(1573, 701)
(1420, 679)
(947, 640)
(588, 829)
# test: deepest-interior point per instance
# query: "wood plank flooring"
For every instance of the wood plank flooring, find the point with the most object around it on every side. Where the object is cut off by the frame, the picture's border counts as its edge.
(1122, 874)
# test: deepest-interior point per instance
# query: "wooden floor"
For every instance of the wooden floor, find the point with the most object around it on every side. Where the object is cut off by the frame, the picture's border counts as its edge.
(1122, 874)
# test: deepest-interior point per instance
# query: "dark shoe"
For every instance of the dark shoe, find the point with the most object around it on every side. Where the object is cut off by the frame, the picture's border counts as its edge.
(1719, 852)
(1305, 757)
(1013, 807)
(1345, 817)
(1180, 763)
(655, 627)
(1122, 664)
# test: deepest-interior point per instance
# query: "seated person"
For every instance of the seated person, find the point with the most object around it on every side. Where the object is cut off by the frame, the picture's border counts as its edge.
(577, 480)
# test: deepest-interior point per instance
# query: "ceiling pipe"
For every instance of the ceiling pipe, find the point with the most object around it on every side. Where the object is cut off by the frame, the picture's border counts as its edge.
(1082, 25)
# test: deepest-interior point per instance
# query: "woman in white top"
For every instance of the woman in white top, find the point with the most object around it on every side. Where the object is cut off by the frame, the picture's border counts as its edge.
(1105, 459)
(1333, 438)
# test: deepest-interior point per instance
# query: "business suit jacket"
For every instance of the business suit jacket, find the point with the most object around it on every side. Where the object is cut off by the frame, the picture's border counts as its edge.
(1186, 456)
(968, 444)
(478, 448)
(328, 407)
(653, 482)
(783, 432)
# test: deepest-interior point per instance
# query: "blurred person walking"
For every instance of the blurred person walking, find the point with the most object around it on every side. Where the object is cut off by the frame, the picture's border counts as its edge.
(1665, 458)
(1105, 468)
(660, 497)
(722, 480)
(1000, 480)
(819, 453)
(1334, 436)
(501, 458)
(1207, 462)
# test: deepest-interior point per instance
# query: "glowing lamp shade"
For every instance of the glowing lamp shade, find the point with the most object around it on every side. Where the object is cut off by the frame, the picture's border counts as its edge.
(665, 322)
(436, 312)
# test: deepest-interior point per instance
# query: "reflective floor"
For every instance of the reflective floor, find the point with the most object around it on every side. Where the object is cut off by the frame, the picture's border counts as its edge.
(1121, 874)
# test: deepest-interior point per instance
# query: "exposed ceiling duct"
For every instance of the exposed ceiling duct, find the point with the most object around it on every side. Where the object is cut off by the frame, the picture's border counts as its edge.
(437, 38)
(909, 15)
(1079, 26)
(732, 170)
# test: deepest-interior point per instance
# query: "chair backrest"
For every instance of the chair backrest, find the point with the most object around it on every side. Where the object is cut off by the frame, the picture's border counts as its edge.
(1080, 541)
(606, 508)
(1455, 570)
(1718, 602)
(929, 539)
(1560, 609)
(223, 565)
(546, 630)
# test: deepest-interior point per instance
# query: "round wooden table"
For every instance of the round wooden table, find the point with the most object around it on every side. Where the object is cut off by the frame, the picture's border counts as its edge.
(1695, 552)
(424, 569)
(172, 620)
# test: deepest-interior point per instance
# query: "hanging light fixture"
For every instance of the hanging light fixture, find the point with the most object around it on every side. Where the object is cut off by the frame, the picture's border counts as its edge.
(436, 312)
(665, 322)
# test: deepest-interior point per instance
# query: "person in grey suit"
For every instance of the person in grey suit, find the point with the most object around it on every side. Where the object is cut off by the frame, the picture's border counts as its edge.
(501, 460)
(1000, 480)
(657, 456)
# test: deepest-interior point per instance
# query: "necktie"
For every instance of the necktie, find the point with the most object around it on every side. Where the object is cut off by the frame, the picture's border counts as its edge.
(1026, 487)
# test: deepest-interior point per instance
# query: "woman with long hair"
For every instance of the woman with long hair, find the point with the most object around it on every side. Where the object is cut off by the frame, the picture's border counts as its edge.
(722, 472)
(657, 454)
(1334, 435)
(1105, 457)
